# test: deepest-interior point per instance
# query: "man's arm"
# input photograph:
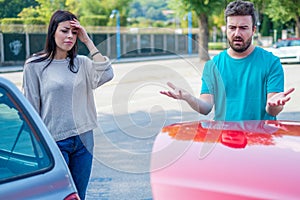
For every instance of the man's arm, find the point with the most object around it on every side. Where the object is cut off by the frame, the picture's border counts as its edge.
(276, 101)
(203, 105)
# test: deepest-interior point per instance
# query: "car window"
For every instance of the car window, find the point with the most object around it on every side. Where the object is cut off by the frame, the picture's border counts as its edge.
(295, 43)
(23, 152)
(282, 43)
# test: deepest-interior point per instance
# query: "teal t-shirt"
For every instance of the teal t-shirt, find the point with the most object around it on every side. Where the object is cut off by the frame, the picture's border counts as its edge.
(240, 86)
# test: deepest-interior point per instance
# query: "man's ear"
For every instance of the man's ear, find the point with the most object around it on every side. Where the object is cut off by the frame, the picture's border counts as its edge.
(254, 29)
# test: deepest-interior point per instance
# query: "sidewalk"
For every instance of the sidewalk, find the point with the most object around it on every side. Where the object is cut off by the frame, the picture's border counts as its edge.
(19, 68)
(7, 69)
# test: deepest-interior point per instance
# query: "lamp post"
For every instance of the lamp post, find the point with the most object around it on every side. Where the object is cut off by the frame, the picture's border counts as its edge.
(118, 42)
(190, 33)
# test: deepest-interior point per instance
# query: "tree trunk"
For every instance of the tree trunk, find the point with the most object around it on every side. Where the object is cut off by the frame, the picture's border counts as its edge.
(297, 18)
(203, 38)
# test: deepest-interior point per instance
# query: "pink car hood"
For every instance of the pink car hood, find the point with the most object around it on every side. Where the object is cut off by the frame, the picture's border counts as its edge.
(227, 160)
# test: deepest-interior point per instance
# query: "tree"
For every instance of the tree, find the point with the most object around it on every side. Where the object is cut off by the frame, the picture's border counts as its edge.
(136, 10)
(74, 6)
(45, 8)
(283, 11)
(11, 8)
(203, 10)
(92, 7)
(120, 5)
(151, 12)
(265, 26)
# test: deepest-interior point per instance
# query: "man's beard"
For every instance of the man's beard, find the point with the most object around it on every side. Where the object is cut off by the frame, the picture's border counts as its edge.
(238, 48)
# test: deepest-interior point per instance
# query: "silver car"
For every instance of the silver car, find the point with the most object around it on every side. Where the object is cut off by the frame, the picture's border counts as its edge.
(287, 50)
(31, 165)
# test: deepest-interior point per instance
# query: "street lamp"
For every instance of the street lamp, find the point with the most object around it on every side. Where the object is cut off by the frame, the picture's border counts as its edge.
(118, 42)
(190, 33)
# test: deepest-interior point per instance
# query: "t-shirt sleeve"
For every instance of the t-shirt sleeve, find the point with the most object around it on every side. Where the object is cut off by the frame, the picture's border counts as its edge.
(207, 78)
(275, 80)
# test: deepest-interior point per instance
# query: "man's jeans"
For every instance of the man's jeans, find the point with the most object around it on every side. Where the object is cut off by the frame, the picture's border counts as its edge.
(78, 154)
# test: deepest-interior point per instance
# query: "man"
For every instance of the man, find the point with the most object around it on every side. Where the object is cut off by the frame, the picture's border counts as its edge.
(243, 82)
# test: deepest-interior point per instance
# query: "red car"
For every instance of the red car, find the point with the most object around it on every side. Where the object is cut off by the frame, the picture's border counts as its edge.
(227, 160)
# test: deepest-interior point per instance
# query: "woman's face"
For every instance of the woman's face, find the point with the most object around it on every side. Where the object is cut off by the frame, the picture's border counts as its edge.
(65, 38)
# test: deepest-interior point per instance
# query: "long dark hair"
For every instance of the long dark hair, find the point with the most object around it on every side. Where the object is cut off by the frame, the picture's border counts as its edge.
(50, 45)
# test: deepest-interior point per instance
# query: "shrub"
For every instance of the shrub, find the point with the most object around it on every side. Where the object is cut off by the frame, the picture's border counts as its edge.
(216, 45)
(34, 21)
(160, 24)
(94, 20)
(5, 21)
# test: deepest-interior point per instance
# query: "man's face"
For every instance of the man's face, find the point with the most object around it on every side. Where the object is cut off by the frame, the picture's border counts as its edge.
(239, 32)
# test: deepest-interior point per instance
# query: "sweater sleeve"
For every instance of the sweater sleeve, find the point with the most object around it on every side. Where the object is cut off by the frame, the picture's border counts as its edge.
(31, 86)
(98, 72)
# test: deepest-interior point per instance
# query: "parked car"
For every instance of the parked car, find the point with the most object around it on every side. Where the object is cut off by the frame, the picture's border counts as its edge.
(287, 50)
(227, 160)
(31, 165)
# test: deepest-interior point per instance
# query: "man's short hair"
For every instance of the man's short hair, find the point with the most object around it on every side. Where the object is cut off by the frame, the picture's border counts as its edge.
(241, 8)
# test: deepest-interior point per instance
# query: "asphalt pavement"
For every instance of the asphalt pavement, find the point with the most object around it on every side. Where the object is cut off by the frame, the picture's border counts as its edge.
(131, 113)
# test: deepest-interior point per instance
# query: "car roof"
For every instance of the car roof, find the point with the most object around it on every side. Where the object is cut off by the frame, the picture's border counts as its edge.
(292, 39)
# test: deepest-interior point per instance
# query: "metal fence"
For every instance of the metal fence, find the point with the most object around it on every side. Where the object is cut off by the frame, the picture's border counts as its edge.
(16, 47)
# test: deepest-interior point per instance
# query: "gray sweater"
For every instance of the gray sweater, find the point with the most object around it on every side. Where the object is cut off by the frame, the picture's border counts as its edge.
(64, 99)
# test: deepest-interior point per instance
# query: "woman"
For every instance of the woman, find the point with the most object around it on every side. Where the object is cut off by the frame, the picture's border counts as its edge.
(59, 84)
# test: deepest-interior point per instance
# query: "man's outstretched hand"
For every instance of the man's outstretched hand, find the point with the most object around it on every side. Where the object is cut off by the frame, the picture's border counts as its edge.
(280, 98)
(175, 92)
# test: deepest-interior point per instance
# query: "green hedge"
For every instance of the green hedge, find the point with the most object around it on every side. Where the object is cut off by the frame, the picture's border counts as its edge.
(94, 20)
(34, 21)
(27, 21)
(217, 45)
(5, 21)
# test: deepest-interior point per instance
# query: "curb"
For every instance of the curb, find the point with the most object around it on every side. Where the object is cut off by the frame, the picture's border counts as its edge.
(8, 69)
(19, 68)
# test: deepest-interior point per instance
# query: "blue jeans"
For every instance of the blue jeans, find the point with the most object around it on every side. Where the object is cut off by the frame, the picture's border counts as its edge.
(78, 154)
